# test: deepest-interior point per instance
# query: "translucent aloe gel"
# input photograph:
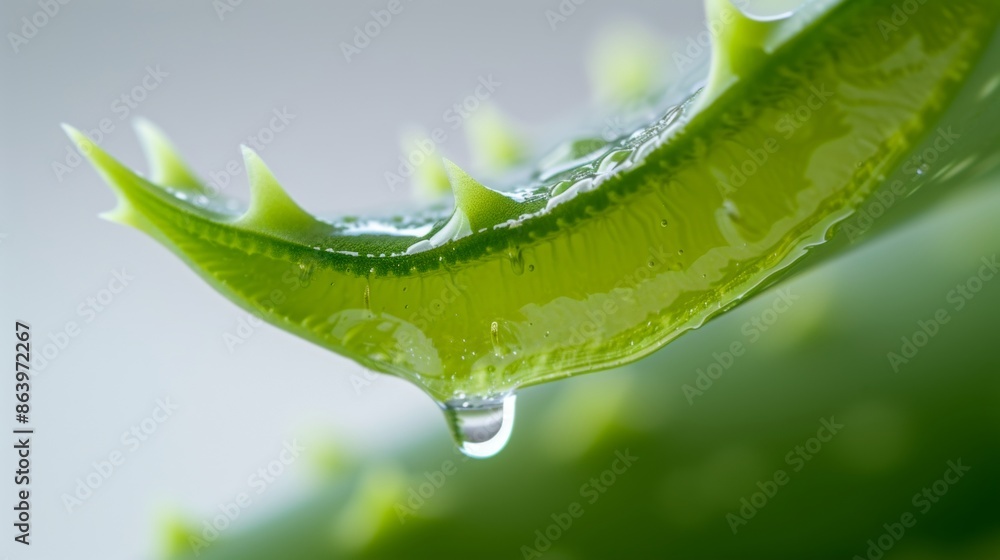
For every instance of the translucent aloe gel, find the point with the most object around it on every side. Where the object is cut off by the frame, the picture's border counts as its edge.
(613, 250)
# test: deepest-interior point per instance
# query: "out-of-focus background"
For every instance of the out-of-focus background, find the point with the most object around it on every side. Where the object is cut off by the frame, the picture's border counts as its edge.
(137, 359)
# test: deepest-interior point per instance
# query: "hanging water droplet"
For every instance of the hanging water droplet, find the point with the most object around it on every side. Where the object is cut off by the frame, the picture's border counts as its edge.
(481, 427)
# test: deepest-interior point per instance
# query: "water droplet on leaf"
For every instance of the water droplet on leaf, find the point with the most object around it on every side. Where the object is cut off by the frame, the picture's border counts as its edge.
(481, 427)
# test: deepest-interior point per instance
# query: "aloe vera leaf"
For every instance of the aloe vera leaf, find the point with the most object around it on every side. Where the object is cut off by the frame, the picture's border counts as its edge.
(603, 263)
(697, 461)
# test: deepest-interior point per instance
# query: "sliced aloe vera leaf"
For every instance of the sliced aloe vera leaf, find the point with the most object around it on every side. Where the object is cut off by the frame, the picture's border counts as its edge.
(600, 264)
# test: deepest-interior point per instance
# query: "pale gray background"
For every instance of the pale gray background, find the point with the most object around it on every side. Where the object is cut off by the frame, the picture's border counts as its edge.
(162, 337)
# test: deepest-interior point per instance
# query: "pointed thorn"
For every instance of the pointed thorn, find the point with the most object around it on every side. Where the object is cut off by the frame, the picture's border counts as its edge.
(70, 131)
(271, 208)
(120, 178)
(494, 140)
(482, 206)
(626, 65)
(166, 167)
(430, 180)
(106, 165)
(738, 48)
(125, 215)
